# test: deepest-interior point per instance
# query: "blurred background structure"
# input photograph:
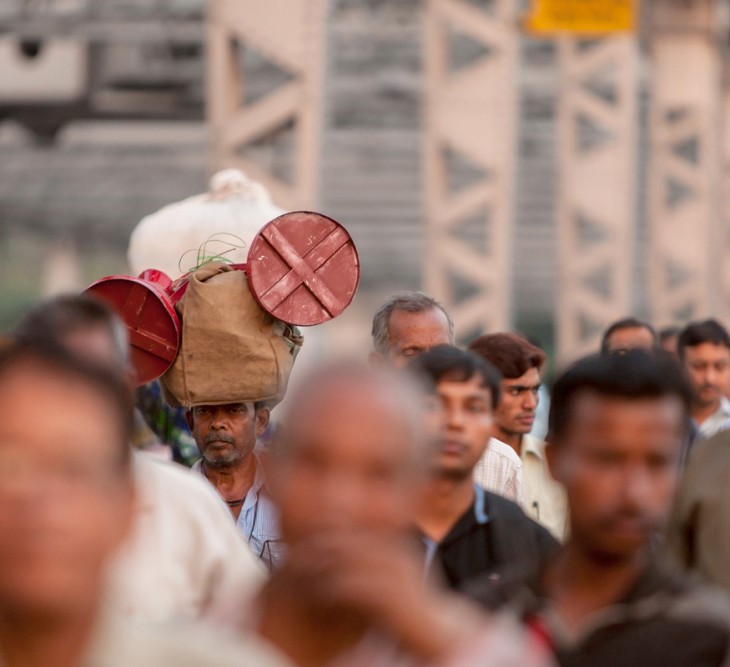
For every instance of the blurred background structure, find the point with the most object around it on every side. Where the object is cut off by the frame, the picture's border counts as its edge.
(544, 165)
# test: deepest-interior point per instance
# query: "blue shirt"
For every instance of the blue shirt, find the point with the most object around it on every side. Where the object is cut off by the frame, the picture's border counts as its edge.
(258, 520)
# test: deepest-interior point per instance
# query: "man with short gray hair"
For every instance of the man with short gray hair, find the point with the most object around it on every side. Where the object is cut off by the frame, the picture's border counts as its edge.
(406, 325)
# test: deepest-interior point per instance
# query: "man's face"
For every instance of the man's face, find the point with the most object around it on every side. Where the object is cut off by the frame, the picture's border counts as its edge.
(347, 464)
(630, 338)
(411, 334)
(515, 413)
(708, 367)
(460, 424)
(65, 499)
(618, 463)
(226, 434)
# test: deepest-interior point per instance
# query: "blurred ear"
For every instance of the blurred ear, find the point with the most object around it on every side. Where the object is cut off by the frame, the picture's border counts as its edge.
(189, 419)
(263, 415)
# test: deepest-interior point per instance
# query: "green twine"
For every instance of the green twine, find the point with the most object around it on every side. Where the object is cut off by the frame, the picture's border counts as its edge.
(204, 255)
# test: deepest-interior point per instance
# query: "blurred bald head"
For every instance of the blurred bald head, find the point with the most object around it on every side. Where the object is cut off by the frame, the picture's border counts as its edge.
(351, 452)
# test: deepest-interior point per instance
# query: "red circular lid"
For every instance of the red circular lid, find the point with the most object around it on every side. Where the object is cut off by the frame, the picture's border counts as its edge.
(152, 324)
(303, 268)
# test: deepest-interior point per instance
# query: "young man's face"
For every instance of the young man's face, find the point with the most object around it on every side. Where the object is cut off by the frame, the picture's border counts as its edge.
(411, 334)
(460, 425)
(618, 463)
(708, 367)
(515, 414)
(226, 434)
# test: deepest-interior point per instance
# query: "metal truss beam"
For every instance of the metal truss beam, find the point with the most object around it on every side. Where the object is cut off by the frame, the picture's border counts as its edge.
(289, 33)
(598, 123)
(470, 119)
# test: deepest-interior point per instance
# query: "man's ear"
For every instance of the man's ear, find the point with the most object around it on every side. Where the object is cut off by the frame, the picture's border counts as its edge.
(189, 419)
(263, 415)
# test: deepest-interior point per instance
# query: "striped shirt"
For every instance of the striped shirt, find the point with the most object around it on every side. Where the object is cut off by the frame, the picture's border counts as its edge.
(258, 520)
(500, 471)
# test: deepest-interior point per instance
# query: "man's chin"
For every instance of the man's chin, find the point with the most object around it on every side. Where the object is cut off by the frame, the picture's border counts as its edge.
(219, 461)
(452, 472)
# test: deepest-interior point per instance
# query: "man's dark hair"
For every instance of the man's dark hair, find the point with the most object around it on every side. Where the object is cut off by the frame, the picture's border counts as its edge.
(511, 354)
(696, 333)
(445, 362)
(54, 360)
(68, 313)
(627, 323)
(666, 333)
(636, 375)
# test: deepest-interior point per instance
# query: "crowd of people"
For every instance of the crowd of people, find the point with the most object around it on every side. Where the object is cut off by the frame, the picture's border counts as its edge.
(399, 510)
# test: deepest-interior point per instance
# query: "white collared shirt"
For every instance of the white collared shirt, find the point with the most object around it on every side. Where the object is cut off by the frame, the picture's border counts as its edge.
(718, 421)
(500, 471)
(545, 499)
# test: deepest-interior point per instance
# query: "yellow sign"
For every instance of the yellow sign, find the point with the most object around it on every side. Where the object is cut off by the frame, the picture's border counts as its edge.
(582, 17)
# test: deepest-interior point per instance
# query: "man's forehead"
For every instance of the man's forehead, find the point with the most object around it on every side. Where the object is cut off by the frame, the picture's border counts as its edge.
(223, 406)
(707, 350)
(530, 378)
(474, 386)
(430, 319)
(593, 407)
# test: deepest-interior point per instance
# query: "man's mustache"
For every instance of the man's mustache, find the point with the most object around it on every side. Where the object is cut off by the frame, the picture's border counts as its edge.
(219, 437)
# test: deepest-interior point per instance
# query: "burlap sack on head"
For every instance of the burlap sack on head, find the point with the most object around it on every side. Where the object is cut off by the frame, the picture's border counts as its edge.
(232, 350)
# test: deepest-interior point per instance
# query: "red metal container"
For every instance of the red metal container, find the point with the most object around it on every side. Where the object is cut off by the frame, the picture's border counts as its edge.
(303, 268)
(149, 314)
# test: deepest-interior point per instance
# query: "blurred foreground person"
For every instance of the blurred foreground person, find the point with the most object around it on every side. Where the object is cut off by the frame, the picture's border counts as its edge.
(520, 364)
(629, 334)
(704, 350)
(467, 530)
(699, 529)
(346, 475)
(409, 324)
(183, 558)
(616, 429)
(66, 505)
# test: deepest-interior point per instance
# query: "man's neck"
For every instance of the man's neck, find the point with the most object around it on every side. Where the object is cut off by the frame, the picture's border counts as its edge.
(32, 641)
(580, 584)
(514, 440)
(233, 482)
(443, 502)
(703, 411)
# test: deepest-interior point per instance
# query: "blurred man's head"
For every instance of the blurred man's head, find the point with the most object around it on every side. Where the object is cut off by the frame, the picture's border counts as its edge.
(617, 424)
(409, 324)
(628, 334)
(81, 324)
(520, 364)
(669, 340)
(65, 486)
(226, 434)
(465, 390)
(349, 455)
(704, 350)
